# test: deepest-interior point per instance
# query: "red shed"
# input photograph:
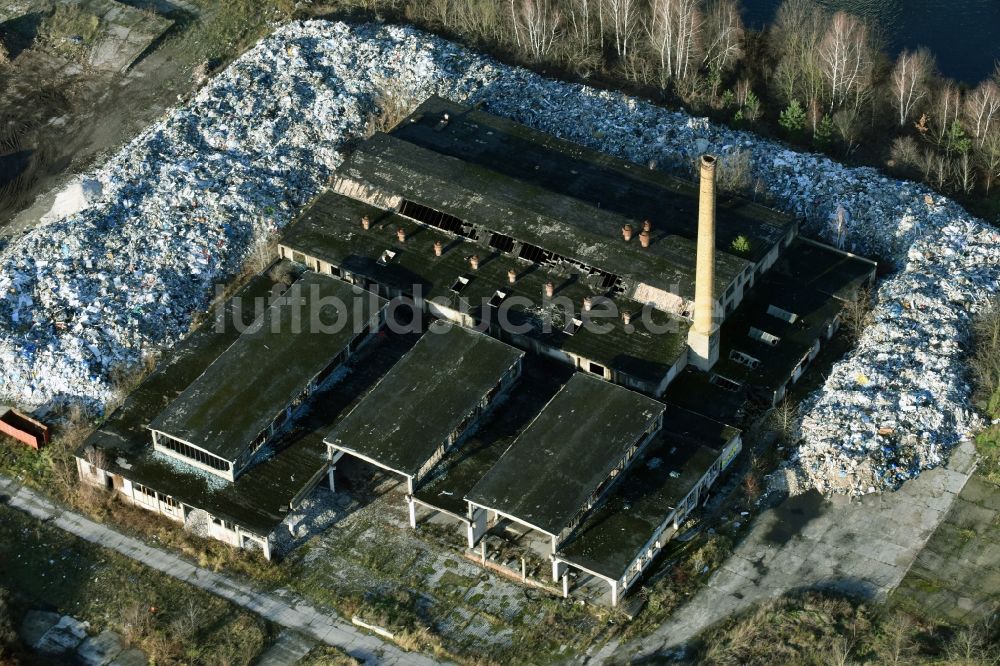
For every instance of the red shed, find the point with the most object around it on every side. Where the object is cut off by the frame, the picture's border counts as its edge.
(24, 428)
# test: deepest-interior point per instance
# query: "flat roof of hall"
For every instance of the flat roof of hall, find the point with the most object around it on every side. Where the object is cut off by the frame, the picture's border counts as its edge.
(330, 230)
(603, 181)
(611, 538)
(259, 498)
(268, 366)
(528, 212)
(409, 414)
(560, 459)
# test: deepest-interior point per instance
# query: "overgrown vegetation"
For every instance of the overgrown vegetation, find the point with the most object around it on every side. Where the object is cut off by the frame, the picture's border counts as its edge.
(822, 628)
(70, 28)
(171, 621)
(985, 366)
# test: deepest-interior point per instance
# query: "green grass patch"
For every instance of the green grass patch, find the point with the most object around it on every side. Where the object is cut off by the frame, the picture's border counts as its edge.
(171, 621)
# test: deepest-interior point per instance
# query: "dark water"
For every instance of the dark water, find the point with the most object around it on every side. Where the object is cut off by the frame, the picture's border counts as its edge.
(964, 35)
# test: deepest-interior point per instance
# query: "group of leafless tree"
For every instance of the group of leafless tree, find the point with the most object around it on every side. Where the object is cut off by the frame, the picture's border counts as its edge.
(816, 77)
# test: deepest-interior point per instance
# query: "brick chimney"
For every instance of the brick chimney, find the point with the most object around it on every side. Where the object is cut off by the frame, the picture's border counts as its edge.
(644, 238)
(627, 232)
(703, 336)
(401, 235)
(366, 223)
(550, 289)
(438, 248)
(474, 262)
(512, 276)
(588, 303)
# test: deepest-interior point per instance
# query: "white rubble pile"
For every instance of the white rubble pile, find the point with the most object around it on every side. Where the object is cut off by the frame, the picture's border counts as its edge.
(181, 206)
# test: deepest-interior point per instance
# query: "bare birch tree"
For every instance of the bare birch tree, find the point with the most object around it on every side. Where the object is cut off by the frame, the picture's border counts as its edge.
(910, 81)
(583, 26)
(723, 35)
(675, 34)
(982, 107)
(947, 107)
(847, 59)
(622, 18)
(536, 24)
(988, 156)
(798, 28)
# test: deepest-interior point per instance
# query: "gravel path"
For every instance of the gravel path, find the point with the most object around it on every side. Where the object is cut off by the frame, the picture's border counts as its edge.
(321, 626)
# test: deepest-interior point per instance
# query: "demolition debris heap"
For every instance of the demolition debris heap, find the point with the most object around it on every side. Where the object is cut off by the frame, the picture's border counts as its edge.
(671, 307)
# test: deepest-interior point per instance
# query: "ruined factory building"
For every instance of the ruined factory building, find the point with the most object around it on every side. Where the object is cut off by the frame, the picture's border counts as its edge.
(329, 237)
(705, 305)
(120, 454)
(619, 540)
(567, 458)
(427, 402)
(228, 413)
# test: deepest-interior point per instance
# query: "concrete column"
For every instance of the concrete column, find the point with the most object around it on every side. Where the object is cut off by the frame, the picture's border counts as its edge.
(482, 551)
(267, 548)
(703, 337)
(329, 477)
(559, 569)
(565, 582)
(413, 511)
(614, 593)
(477, 526)
(524, 570)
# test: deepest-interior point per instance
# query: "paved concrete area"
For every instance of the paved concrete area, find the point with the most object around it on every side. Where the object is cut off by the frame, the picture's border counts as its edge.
(862, 546)
(288, 650)
(956, 577)
(321, 626)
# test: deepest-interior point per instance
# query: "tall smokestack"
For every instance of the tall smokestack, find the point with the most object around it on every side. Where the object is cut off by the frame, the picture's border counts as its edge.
(703, 337)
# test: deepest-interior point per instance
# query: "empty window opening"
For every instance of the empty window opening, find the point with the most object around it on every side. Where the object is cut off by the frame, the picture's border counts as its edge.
(726, 384)
(148, 492)
(764, 336)
(334, 270)
(534, 253)
(460, 284)
(436, 218)
(193, 454)
(597, 368)
(298, 257)
(744, 359)
(610, 281)
(498, 298)
(502, 243)
(783, 315)
(386, 257)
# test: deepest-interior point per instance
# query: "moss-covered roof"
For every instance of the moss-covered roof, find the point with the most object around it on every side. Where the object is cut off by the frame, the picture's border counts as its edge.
(330, 230)
(461, 469)
(268, 366)
(259, 498)
(600, 180)
(427, 395)
(561, 458)
(808, 281)
(530, 213)
(611, 538)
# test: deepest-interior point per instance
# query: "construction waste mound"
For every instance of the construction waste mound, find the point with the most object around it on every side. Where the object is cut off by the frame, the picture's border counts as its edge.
(184, 204)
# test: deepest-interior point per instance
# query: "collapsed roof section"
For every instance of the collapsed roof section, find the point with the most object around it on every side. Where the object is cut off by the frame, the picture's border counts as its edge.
(329, 236)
